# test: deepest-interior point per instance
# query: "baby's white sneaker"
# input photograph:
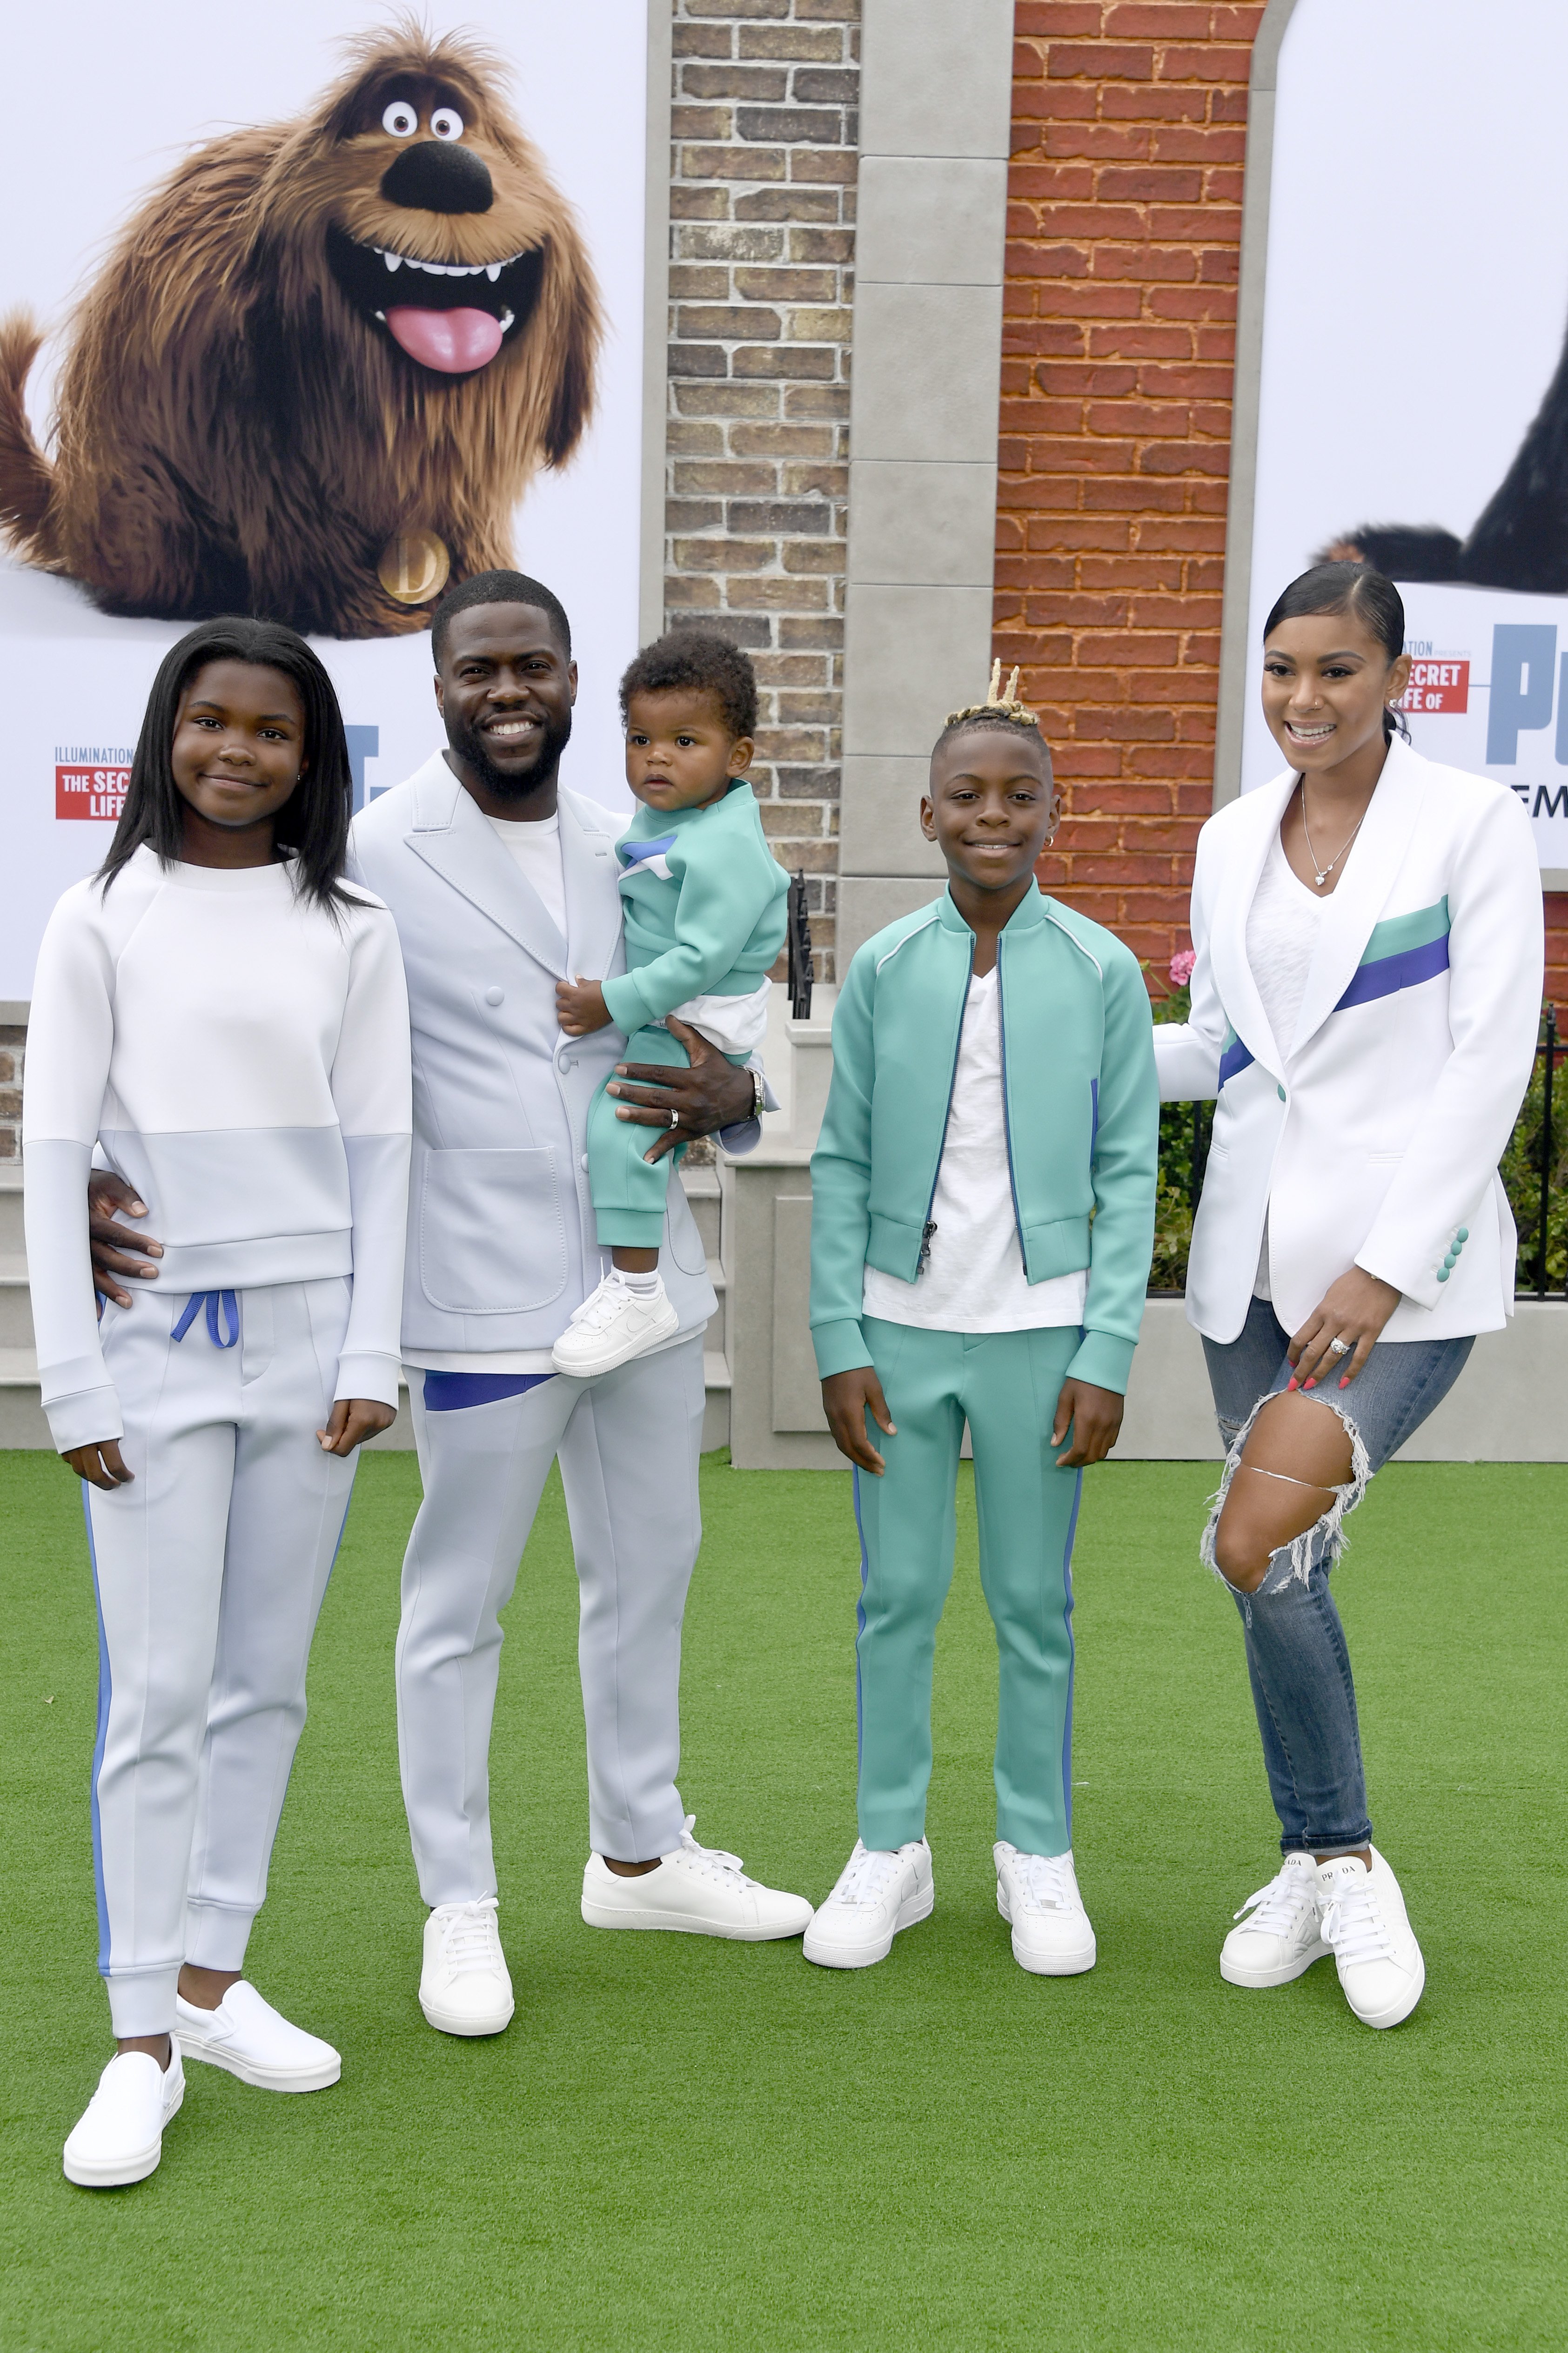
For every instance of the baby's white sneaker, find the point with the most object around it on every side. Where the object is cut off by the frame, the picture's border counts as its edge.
(614, 1323)
(1366, 1929)
(1037, 1893)
(879, 1891)
(1281, 1935)
(120, 2136)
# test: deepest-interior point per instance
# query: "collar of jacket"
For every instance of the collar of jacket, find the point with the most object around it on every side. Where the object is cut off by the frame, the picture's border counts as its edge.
(451, 832)
(1029, 911)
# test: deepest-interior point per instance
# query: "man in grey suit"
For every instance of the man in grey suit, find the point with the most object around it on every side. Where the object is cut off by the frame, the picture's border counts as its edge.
(503, 883)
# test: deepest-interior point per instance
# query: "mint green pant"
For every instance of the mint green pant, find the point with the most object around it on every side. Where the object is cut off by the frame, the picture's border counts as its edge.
(1005, 1384)
(627, 1191)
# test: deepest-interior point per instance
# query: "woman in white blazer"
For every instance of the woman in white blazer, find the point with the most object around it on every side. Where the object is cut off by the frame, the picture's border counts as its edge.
(1368, 940)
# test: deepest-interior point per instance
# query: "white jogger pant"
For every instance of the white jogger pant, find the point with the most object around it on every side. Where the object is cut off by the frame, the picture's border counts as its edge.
(210, 1568)
(628, 1445)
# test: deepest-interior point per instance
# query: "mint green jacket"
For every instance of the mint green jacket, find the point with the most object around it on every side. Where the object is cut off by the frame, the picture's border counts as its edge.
(704, 897)
(1080, 1100)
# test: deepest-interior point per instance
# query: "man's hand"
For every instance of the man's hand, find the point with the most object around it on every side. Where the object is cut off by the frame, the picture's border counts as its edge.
(351, 1420)
(102, 1465)
(846, 1399)
(1354, 1309)
(1095, 1418)
(108, 1197)
(711, 1094)
(580, 1007)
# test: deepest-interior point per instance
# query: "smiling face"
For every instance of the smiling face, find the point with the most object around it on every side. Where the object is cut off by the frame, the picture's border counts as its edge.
(679, 751)
(505, 688)
(238, 749)
(1326, 683)
(992, 806)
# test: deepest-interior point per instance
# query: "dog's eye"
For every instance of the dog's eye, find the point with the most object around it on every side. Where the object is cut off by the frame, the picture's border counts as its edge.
(401, 119)
(446, 123)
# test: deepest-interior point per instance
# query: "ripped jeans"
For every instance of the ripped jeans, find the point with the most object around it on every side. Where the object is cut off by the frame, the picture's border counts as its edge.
(1296, 1655)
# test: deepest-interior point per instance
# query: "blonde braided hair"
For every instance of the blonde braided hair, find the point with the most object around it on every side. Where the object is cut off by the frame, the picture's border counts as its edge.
(998, 705)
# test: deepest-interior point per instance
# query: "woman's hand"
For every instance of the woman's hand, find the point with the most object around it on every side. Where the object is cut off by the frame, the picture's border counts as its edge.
(351, 1420)
(711, 1093)
(108, 1197)
(1354, 1308)
(580, 1007)
(1094, 1416)
(102, 1465)
(846, 1399)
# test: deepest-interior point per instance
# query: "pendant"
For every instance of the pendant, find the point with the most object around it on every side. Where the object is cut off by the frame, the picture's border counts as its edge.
(414, 567)
(1319, 880)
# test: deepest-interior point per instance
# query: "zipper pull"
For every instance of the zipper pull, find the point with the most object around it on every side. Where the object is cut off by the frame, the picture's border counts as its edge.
(927, 1232)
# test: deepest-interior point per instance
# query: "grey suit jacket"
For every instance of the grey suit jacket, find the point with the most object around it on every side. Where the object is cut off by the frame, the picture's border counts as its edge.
(501, 1245)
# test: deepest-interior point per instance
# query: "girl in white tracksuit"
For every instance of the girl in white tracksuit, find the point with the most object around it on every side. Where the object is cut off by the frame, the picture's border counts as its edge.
(224, 1022)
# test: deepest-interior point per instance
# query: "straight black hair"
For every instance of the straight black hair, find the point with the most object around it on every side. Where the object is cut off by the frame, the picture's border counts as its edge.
(1370, 596)
(314, 823)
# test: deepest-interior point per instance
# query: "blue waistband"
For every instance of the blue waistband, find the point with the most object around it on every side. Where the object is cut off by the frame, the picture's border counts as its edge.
(450, 1392)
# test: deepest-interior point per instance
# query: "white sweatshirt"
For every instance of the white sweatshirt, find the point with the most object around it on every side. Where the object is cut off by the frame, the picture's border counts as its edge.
(243, 1060)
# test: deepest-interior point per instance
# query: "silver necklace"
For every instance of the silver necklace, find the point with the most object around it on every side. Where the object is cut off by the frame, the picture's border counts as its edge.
(1319, 879)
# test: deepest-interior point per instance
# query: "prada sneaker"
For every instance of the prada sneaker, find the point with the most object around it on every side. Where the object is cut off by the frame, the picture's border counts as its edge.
(1381, 1970)
(1280, 1934)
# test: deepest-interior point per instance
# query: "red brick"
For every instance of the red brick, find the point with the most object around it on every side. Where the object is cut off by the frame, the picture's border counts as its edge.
(1178, 63)
(1165, 21)
(1099, 61)
(1148, 184)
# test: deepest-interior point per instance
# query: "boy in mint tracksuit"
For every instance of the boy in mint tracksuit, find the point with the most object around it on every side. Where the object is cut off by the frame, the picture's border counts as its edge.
(703, 901)
(982, 1227)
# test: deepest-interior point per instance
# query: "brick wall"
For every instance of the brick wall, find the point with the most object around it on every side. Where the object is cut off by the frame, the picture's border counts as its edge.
(763, 248)
(1123, 241)
(13, 1041)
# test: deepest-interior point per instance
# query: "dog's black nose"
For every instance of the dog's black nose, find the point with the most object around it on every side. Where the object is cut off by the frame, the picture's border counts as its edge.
(438, 176)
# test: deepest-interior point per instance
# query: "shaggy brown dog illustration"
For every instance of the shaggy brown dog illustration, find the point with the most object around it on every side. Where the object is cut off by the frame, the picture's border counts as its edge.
(322, 360)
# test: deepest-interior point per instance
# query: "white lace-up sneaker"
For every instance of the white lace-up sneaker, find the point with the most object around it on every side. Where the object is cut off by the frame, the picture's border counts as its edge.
(121, 2136)
(465, 1986)
(698, 1889)
(1038, 1894)
(614, 1325)
(1283, 1936)
(879, 1891)
(1366, 1928)
(249, 2038)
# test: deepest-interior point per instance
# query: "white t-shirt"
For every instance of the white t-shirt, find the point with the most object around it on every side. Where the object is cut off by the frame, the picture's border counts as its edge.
(1282, 929)
(535, 844)
(974, 1279)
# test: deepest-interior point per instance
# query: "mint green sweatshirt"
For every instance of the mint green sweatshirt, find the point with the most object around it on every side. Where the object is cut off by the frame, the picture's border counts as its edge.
(1080, 1101)
(703, 898)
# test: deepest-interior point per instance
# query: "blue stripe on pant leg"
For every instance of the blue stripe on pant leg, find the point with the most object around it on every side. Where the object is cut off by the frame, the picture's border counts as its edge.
(860, 1617)
(1072, 1657)
(105, 1692)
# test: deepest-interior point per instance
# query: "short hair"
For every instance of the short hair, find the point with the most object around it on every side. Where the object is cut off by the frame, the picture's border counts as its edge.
(498, 589)
(703, 663)
(1367, 595)
(998, 711)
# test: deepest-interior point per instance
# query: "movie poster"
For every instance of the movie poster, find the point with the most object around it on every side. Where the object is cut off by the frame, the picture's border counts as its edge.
(316, 307)
(1414, 399)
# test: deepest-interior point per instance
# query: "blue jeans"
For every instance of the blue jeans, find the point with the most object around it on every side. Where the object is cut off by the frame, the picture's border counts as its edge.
(1296, 1654)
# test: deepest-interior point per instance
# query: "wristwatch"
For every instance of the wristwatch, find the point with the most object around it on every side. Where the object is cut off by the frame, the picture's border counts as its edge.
(759, 1092)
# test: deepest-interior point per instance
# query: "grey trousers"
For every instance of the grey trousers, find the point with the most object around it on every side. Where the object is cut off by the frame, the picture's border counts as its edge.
(628, 1445)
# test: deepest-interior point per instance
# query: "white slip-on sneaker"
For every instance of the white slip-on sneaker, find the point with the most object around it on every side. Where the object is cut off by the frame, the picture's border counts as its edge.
(1366, 1929)
(614, 1325)
(1052, 1936)
(877, 1892)
(1281, 1933)
(249, 2038)
(698, 1889)
(465, 1986)
(119, 2137)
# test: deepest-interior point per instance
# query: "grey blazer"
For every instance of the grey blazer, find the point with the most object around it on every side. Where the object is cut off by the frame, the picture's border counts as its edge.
(502, 1245)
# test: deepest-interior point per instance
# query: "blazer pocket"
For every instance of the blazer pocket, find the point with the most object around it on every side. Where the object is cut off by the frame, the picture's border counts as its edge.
(492, 1238)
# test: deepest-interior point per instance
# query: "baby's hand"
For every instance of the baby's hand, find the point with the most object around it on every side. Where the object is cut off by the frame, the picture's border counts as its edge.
(580, 1007)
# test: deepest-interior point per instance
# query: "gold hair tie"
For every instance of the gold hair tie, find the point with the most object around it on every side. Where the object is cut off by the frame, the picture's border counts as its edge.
(998, 705)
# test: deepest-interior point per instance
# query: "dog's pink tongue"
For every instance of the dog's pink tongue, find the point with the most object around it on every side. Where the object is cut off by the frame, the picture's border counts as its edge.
(456, 342)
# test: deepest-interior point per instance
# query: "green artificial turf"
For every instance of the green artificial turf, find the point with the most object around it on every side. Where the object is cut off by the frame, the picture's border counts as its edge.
(686, 2144)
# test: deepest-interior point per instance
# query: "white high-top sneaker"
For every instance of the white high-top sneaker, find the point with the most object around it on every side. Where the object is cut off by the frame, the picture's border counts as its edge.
(1052, 1936)
(465, 1986)
(120, 2136)
(877, 1892)
(1283, 1935)
(252, 2041)
(614, 1325)
(1366, 1929)
(701, 1890)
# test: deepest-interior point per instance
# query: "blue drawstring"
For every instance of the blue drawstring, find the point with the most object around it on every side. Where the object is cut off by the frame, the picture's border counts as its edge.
(215, 1301)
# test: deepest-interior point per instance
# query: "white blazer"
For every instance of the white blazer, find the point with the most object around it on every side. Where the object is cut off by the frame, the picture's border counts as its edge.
(1372, 1136)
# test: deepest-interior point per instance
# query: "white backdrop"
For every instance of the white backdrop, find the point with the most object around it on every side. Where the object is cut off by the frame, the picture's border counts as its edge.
(146, 83)
(1414, 315)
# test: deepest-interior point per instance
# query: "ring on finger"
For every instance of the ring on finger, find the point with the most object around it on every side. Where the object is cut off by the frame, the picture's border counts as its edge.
(674, 1118)
(1338, 1347)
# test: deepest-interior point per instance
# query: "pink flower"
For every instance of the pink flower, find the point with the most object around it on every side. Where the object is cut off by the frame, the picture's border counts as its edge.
(1181, 965)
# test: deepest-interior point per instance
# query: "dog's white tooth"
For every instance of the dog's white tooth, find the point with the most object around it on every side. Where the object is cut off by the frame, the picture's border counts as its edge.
(506, 321)
(382, 316)
(392, 261)
(492, 271)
